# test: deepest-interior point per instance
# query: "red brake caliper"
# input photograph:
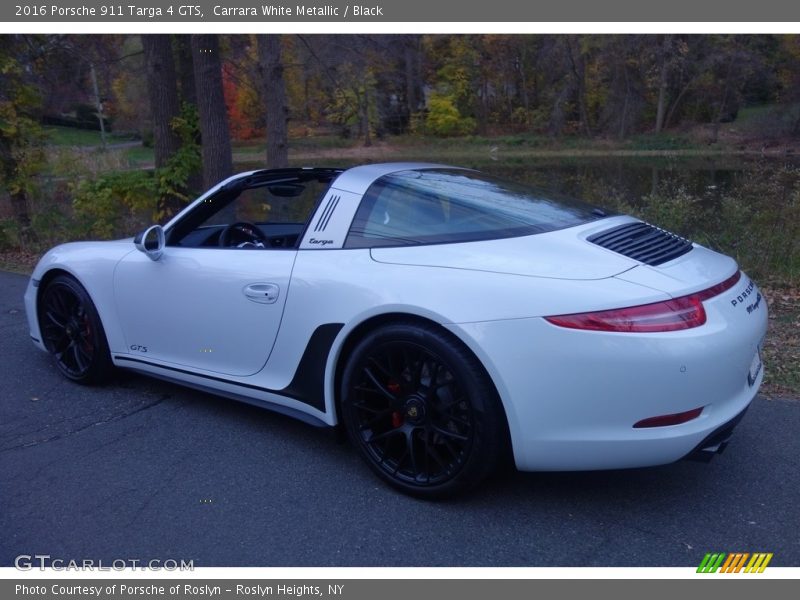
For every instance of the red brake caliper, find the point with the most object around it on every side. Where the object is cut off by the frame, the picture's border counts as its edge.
(87, 342)
(397, 416)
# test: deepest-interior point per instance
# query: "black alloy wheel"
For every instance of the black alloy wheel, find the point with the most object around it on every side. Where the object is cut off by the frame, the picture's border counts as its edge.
(421, 410)
(72, 331)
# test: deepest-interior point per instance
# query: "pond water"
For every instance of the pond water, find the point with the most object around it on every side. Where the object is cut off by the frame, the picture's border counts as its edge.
(633, 177)
(626, 177)
(745, 207)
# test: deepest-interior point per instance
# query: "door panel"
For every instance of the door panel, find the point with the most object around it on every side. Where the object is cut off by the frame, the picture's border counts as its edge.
(195, 307)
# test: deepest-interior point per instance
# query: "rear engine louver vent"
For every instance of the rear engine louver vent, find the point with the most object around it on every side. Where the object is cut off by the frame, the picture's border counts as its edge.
(643, 242)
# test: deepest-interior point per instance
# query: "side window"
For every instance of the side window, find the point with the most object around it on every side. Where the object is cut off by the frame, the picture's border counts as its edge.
(393, 213)
(262, 206)
(433, 206)
(261, 214)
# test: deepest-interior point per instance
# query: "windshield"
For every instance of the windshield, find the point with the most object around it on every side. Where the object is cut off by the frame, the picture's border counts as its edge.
(453, 205)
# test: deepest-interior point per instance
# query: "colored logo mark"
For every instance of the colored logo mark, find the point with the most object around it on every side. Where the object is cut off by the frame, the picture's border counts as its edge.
(734, 562)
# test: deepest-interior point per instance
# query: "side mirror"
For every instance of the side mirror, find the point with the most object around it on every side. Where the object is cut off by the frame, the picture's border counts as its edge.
(151, 241)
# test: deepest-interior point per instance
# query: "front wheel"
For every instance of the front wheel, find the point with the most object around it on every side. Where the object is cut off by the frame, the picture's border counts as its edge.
(72, 331)
(421, 410)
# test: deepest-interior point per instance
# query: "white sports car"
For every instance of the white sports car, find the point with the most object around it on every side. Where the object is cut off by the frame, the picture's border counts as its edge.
(441, 316)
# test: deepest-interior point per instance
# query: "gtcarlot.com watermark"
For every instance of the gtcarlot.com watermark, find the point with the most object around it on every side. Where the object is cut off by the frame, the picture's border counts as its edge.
(29, 562)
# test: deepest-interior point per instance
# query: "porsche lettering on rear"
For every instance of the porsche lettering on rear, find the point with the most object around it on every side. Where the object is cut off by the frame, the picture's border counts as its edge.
(738, 300)
(452, 320)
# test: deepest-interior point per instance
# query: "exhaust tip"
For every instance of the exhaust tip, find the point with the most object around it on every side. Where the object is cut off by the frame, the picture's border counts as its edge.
(716, 442)
(707, 453)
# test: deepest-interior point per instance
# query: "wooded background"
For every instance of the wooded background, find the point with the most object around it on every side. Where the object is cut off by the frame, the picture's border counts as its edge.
(101, 135)
(191, 96)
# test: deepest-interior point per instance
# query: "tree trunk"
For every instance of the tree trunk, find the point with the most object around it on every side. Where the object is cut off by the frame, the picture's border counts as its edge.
(185, 68)
(624, 117)
(724, 99)
(523, 82)
(269, 51)
(98, 104)
(365, 117)
(216, 140)
(19, 207)
(662, 85)
(187, 94)
(414, 85)
(557, 116)
(162, 91)
(578, 65)
(677, 102)
(411, 88)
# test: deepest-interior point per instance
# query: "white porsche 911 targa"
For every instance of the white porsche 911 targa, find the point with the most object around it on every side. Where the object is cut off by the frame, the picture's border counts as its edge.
(441, 316)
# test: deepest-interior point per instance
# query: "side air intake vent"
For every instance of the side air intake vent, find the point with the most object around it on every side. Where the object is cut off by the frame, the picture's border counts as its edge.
(643, 242)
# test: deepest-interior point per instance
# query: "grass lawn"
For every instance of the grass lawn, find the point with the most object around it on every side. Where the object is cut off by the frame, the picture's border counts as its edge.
(71, 136)
(140, 156)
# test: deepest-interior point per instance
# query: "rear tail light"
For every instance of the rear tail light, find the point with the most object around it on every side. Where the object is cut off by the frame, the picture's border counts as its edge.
(671, 315)
(673, 419)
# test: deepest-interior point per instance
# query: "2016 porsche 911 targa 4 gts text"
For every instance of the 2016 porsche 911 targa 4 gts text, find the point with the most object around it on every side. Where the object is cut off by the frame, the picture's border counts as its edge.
(441, 316)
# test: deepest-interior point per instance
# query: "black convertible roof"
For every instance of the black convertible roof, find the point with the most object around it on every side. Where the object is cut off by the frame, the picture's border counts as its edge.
(287, 175)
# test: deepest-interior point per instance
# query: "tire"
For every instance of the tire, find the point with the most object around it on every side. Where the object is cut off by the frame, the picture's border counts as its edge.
(422, 411)
(73, 333)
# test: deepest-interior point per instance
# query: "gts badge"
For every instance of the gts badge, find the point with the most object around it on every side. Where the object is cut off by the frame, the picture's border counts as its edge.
(137, 348)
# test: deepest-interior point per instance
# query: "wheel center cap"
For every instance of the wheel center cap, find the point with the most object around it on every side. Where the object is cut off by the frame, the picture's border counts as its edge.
(414, 410)
(72, 329)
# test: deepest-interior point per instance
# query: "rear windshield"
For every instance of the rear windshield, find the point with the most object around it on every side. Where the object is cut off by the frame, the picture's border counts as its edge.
(452, 205)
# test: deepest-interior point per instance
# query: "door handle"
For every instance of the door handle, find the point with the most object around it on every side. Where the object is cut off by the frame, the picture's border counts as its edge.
(263, 293)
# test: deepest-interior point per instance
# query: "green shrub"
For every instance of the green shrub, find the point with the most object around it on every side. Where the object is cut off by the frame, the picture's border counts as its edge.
(103, 206)
(9, 234)
(444, 119)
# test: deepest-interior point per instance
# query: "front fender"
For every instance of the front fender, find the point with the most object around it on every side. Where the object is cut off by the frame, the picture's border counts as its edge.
(92, 264)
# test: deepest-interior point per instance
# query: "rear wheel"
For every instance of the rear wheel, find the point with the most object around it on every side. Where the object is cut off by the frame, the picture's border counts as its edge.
(72, 331)
(421, 410)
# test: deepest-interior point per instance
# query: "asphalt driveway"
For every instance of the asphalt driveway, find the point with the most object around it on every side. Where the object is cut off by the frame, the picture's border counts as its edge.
(141, 469)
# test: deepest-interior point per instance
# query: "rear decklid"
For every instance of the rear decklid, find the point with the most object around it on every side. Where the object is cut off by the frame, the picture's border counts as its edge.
(697, 270)
(562, 254)
(620, 247)
(665, 261)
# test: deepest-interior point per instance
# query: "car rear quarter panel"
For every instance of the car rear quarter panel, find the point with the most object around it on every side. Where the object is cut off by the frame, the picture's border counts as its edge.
(348, 287)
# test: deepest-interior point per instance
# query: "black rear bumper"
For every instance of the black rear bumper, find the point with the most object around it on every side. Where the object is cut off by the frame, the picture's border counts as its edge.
(716, 441)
